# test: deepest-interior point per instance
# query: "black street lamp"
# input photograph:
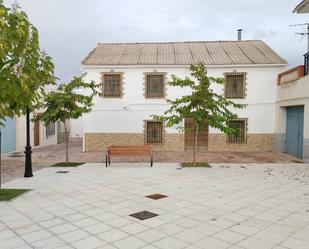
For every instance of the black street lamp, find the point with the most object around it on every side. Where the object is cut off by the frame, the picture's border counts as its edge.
(28, 151)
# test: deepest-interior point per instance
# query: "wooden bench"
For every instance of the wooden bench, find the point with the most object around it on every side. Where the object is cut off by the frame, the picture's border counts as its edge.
(139, 150)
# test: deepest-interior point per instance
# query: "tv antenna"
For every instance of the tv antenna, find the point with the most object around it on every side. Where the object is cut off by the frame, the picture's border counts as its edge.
(303, 34)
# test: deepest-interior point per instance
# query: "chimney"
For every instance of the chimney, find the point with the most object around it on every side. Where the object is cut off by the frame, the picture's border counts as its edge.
(239, 31)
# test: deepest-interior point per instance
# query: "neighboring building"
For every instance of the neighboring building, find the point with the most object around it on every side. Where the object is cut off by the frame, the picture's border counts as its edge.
(14, 132)
(134, 77)
(293, 113)
(302, 8)
(293, 106)
(8, 135)
(76, 128)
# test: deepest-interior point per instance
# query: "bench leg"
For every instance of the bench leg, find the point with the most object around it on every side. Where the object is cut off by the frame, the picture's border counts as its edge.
(151, 161)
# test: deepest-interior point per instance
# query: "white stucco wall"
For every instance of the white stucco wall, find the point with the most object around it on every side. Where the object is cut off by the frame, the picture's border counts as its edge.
(126, 115)
(292, 94)
(21, 129)
(76, 128)
(21, 134)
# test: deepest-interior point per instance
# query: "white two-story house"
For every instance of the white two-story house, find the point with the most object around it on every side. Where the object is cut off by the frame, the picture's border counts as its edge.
(134, 80)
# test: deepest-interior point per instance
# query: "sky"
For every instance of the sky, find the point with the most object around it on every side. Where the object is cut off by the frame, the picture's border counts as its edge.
(69, 29)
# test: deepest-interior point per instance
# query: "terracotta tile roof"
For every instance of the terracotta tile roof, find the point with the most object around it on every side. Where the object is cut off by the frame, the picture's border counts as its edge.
(183, 53)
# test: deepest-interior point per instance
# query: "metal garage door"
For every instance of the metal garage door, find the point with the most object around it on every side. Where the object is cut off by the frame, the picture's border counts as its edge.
(295, 130)
(8, 138)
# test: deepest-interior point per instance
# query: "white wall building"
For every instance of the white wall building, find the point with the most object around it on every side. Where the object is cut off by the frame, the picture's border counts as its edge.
(293, 113)
(76, 128)
(134, 77)
(14, 132)
(292, 120)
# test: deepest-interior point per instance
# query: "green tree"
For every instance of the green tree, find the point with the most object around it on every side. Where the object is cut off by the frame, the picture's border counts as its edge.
(68, 103)
(203, 105)
(24, 68)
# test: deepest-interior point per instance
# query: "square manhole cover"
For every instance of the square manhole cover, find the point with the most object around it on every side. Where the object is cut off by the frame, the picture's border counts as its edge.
(144, 215)
(62, 172)
(156, 196)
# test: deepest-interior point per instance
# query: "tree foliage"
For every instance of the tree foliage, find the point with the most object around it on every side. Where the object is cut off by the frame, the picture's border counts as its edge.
(204, 105)
(24, 68)
(68, 102)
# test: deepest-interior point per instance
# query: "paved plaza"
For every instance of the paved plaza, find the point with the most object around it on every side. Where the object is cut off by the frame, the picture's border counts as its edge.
(236, 206)
(13, 165)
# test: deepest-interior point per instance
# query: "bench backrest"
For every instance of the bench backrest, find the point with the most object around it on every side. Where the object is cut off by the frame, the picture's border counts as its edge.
(129, 150)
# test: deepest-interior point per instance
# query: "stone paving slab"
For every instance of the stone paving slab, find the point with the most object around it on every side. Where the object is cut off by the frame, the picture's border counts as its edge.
(44, 156)
(235, 206)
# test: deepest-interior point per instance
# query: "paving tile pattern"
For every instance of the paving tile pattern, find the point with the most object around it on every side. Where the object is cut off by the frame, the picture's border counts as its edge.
(235, 206)
(13, 167)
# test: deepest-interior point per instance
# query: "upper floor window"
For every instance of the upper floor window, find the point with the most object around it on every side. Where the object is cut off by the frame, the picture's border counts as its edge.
(155, 86)
(240, 136)
(112, 85)
(235, 85)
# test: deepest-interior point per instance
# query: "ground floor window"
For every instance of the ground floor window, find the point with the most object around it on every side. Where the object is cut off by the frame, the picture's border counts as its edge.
(154, 132)
(240, 136)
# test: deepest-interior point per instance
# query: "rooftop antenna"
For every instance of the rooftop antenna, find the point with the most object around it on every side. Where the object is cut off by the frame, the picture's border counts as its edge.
(303, 34)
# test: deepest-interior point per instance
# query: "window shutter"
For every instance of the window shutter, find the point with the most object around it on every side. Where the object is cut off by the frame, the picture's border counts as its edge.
(155, 86)
(241, 135)
(112, 85)
(154, 132)
(235, 85)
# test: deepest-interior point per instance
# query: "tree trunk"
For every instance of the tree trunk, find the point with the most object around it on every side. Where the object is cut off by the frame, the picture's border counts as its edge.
(66, 144)
(0, 161)
(195, 144)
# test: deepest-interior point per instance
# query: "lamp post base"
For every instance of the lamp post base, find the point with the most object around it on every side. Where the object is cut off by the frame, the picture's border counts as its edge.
(28, 149)
(28, 163)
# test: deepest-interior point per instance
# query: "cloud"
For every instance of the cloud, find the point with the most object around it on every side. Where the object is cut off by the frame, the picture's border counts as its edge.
(260, 34)
(70, 29)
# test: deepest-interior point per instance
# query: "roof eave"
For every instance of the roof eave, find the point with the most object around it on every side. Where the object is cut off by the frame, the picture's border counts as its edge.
(182, 66)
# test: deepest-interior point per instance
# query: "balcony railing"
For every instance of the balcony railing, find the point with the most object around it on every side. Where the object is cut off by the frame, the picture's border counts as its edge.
(291, 75)
(306, 63)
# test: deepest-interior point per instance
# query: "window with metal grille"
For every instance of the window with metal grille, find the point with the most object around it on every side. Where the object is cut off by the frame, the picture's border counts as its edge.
(235, 86)
(240, 136)
(155, 86)
(50, 130)
(154, 132)
(112, 85)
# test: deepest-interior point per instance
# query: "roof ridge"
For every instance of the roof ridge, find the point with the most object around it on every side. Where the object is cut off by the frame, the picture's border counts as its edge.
(173, 42)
